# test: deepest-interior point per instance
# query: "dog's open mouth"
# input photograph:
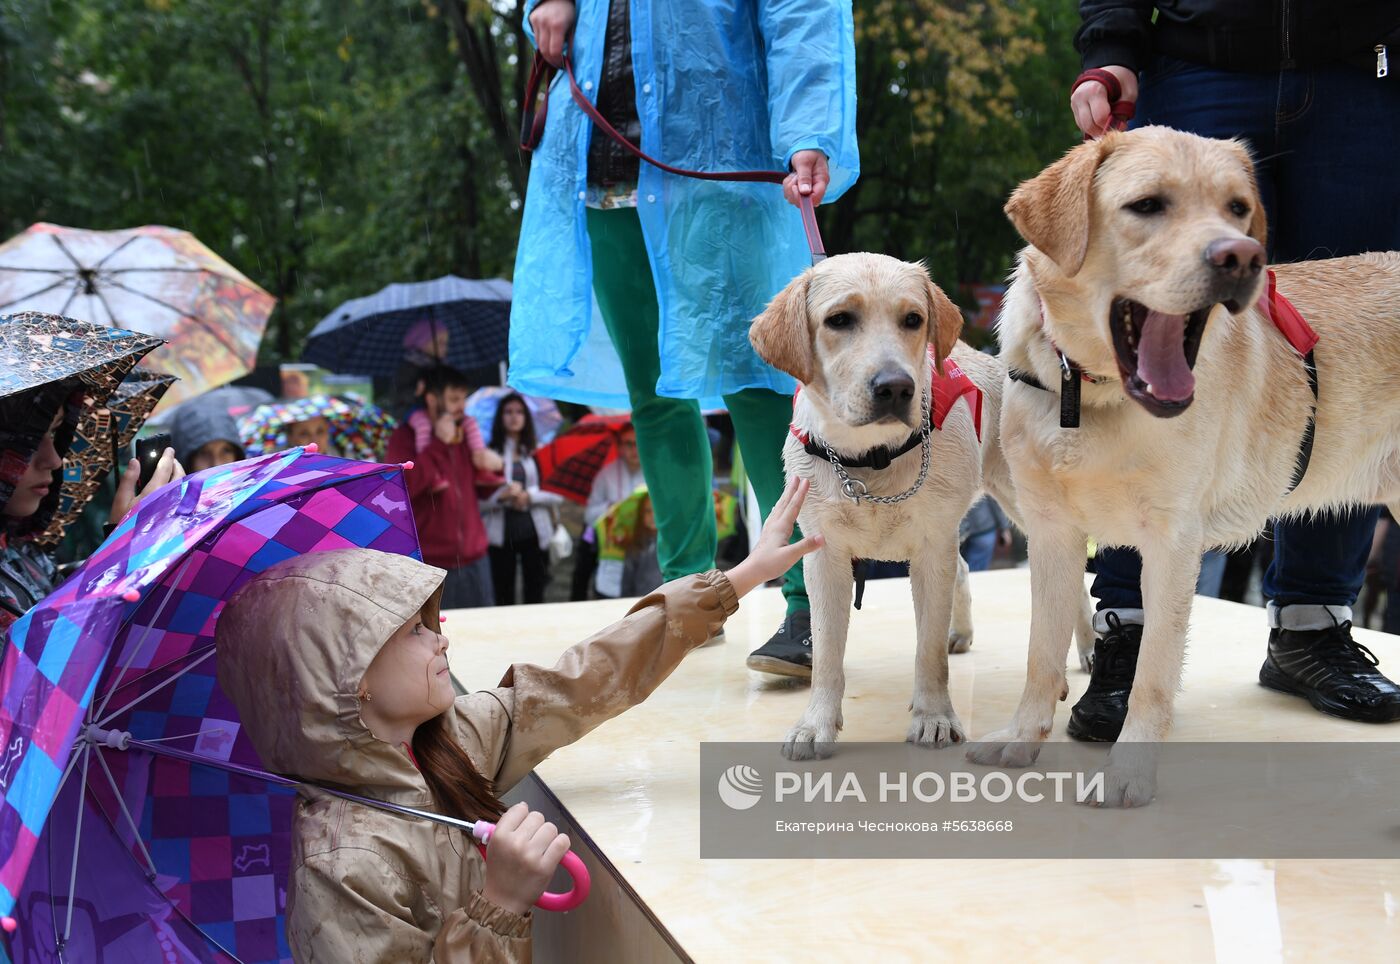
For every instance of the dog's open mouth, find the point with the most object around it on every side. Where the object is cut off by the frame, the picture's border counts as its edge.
(1156, 353)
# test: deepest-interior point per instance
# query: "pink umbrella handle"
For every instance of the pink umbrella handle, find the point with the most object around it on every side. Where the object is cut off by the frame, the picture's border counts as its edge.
(549, 900)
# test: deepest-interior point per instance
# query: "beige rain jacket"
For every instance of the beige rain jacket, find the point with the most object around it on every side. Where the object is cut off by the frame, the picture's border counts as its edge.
(370, 886)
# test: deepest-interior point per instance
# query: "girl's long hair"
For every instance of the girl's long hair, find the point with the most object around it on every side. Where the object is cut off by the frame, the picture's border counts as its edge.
(498, 427)
(458, 787)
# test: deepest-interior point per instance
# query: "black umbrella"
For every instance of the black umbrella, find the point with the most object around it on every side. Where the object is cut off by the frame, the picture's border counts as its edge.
(448, 320)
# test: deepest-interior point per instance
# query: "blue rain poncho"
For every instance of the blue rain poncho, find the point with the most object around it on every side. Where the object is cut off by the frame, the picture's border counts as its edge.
(720, 86)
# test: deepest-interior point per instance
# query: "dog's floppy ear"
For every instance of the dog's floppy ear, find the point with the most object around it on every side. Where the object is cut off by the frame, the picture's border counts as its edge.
(781, 335)
(945, 322)
(1051, 210)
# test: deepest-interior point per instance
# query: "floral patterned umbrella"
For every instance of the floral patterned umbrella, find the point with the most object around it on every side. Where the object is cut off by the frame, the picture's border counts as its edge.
(359, 430)
(152, 279)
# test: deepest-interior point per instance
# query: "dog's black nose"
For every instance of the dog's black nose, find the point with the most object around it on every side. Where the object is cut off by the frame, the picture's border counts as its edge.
(1239, 259)
(891, 390)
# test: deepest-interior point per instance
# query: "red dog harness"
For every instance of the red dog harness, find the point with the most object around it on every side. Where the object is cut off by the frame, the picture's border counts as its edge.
(1286, 318)
(946, 388)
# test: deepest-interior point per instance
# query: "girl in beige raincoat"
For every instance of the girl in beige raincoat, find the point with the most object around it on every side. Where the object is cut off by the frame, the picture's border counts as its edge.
(340, 675)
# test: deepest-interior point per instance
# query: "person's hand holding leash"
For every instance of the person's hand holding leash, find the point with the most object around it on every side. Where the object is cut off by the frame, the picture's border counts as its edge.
(810, 175)
(553, 22)
(1090, 102)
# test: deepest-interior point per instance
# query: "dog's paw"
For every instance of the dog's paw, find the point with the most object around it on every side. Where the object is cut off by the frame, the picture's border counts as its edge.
(1129, 779)
(936, 730)
(810, 740)
(1004, 748)
(959, 642)
(1122, 786)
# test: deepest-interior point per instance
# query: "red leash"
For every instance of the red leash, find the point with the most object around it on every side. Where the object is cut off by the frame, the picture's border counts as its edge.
(532, 129)
(1121, 111)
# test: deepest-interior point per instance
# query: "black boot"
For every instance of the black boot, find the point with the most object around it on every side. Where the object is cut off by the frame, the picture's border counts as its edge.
(1333, 672)
(1098, 716)
(789, 651)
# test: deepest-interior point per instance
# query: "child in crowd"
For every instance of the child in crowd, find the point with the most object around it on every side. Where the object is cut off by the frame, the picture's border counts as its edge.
(444, 392)
(448, 478)
(626, 538)
(312, 431)
(364, 701)
(206, 436)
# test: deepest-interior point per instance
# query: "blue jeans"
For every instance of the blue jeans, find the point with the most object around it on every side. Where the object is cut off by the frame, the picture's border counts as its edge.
(978, 549)
(1325, 143)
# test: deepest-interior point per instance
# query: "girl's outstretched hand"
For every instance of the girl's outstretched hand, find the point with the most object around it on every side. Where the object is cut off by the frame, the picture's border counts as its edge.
(521, 857)
(774, 555)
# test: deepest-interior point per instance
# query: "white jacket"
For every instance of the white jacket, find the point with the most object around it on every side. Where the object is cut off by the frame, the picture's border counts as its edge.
(542, 503)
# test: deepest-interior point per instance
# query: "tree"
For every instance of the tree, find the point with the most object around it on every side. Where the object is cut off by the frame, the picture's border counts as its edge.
(330, 147)
(957, 103)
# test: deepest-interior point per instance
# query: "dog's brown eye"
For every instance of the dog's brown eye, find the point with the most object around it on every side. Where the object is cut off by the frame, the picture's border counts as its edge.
(1148, 205)
(913, 320)
(841, 319)
(1238, 208)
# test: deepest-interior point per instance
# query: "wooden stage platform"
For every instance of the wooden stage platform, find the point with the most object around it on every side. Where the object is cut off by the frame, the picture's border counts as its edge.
(629, 795)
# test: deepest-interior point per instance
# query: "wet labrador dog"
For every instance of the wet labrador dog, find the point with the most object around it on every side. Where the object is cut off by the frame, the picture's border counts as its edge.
(863, 333)
(1145, 267)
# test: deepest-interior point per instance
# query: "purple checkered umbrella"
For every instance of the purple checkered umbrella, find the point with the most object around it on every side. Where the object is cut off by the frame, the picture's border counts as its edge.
(132, 855)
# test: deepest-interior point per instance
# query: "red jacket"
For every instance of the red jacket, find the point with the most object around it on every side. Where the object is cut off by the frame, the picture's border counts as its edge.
(443, 488)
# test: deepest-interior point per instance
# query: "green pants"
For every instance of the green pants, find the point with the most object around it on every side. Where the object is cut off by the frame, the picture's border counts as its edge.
(671, 436)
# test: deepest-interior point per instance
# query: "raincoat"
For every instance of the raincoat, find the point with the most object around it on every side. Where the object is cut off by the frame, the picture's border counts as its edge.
(720, 86)
(370, 886)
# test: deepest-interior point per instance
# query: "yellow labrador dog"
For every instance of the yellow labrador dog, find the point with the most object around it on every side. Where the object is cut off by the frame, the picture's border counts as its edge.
(1146, 269)
(860, 332)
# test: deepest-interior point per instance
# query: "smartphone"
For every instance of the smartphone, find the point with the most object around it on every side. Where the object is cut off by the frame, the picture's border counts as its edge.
(148, 451)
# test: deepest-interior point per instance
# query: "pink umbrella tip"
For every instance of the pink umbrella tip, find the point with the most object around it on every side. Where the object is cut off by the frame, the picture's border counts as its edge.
(131, 595)
(9, 924)
(407, 466)
(313, 448)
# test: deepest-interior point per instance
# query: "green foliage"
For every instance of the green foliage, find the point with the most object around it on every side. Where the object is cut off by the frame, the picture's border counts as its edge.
(330, 147)
(958, 102)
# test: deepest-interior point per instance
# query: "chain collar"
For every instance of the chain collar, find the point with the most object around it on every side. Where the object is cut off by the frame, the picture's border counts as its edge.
(855, 489)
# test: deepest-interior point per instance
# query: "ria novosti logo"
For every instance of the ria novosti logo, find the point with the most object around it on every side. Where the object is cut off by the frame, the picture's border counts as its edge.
(740, 787)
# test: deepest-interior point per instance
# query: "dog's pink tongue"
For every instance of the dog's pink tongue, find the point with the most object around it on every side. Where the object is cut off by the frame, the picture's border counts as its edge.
(1162, 357)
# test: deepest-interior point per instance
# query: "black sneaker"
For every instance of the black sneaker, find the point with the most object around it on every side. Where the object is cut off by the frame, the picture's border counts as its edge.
(789, 651)
(1098, 716)
(1333, 672)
